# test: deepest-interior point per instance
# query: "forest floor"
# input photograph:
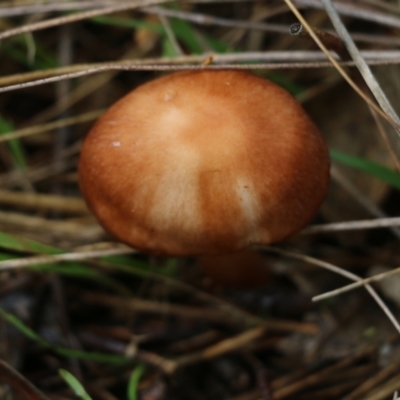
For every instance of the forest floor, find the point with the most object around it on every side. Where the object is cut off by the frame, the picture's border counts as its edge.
(82, 316)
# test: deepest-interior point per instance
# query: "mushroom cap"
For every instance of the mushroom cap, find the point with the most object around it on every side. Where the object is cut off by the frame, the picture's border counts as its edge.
(204, 162)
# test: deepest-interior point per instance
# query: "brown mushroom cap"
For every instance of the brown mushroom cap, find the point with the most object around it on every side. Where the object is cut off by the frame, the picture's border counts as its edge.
(204, 162)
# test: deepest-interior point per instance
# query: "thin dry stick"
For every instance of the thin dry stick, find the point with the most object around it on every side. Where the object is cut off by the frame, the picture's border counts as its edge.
(356, 372)
(156, 307)
(179, 67)
(78, 17)
(203, 313)
(385, 390)
(35, 174)
(166, 365)
(340, 271)
(15, 10)
(387, 19)
(79, 119)
(229, 345)
(392, 8)
(372, 382)
(313, 379)
(69, 229)
(142, 67)
(355, 285)
(73, 256)
(235, 343)
(36, 201)
(29, 76)
(373, 57)
(352, 225)
(21, 386)
(360, 197)
(338, 66)
(204, 19)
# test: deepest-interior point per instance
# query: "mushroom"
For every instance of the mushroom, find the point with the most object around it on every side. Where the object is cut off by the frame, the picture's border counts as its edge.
(204, 162)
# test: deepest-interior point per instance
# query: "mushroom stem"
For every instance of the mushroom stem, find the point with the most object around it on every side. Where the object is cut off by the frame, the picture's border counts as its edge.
(246, 268)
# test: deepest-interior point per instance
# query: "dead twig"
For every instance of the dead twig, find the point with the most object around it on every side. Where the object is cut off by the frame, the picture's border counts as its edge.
(19, 384)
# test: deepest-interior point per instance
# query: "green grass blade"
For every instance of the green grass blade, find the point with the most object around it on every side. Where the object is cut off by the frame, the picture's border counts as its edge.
(134, 382)
(18, 54)
(84, 272)
(15, 147)
(19, 49)
(187, 35)
(15, 243)
(168, 50)
(74, 384)
(61, 350)
(379, 171)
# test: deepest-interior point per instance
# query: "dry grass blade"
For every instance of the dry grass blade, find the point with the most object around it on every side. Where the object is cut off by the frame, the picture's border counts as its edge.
(367, 386)
(73, 256)
(352, 225)
(340, 271)
(229, 345)
(199, 313)
(63, 228)
(338, 66)
(354, 10)
(77, 17)
(210, 20)
(220, 61)
(361, 64)
(62, 123)
(385, 137)
(373, 57)
(152, 67)
(26, 9)
(313, 379)
(361, 199)
(44, 202)
(355, 285)
(235, 343)
(385, 390)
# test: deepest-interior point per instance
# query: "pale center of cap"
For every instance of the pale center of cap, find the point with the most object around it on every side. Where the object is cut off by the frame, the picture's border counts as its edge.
(248, 202)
